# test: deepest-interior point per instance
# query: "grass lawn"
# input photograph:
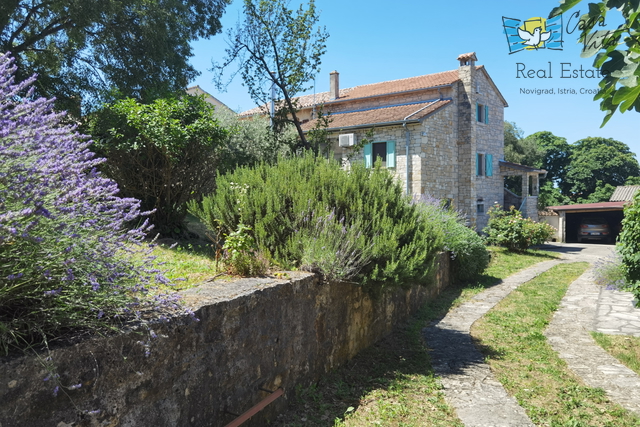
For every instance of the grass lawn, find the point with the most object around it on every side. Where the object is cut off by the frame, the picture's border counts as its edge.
(511, 337)
(624, 348)
(392, 383)
(192, 263)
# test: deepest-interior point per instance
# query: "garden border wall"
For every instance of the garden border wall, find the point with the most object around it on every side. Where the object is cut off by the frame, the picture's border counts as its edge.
(253, 333)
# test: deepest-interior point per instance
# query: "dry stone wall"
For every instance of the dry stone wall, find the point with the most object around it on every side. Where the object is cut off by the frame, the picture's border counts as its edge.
(252, 334)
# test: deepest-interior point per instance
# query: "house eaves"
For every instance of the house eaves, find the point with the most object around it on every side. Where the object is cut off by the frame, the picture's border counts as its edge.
(383, 116)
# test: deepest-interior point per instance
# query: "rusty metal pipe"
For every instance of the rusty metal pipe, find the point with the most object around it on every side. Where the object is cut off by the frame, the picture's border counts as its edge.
(256, 408)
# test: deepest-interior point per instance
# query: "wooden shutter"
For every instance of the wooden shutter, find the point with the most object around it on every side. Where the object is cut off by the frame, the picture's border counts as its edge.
(368, 149)
(489, 167)
(391, 154)
(486, 114)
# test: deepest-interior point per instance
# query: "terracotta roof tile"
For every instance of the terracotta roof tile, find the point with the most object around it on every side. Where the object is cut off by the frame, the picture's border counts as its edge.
(377, 116)
(471, 56)
(374, 89)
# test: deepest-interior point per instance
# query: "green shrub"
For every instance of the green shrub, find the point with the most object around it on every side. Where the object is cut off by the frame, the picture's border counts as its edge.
(629, 246)
(469, 253)
(163, 154)
(241, 255)
(509, 229)
(390, 241)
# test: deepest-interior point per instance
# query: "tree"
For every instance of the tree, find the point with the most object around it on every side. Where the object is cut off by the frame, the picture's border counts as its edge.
(555, 157)
(617, 52)
(86, 51)
(596, 162)
(163, 153)
(519, 150)
(249, 142)
(276, 46)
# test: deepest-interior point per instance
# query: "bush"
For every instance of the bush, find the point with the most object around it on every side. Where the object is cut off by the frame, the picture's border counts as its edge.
(509, 229)
(249, 142)
(362, 215)
(64, 250)
(470, 256)
(629, 246)
(163, 153)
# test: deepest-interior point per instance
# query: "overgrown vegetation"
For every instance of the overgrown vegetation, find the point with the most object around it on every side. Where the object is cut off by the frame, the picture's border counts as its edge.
(511, 337)
(163, 154)
(65, 252)
(469, 253)
(307, 212)
(629, 247)
(511, 230)
(392, 383)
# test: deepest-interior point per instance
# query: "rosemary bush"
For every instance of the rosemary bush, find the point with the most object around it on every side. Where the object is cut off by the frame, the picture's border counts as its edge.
(306, 211)
(64, 249)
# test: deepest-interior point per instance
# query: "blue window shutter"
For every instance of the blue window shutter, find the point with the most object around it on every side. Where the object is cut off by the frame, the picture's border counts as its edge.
(486, 114)
(477, 164)
(489, 167)
(368, 149)
(391, 154)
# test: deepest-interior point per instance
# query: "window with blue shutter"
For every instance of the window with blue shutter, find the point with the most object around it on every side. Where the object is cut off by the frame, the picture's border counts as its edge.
(479, 164)
(478, 112)
(367, 155)
(391, 154)
(489, 166)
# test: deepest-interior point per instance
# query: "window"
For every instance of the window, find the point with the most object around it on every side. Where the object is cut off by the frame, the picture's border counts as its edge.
(385, 151)
(480, 208)
(482, 113)
(480, 164)
(484, 164)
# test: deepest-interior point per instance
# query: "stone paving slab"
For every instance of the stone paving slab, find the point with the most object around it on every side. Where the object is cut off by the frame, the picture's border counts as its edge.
(586, 307)
(469, 385)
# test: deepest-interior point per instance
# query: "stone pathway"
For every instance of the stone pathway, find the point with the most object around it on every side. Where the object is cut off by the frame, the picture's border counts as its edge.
(469, 385)
(587, 307)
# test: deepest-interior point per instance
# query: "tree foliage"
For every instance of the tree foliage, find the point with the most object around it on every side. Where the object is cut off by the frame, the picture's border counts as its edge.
(249, 142)
(599, 160)
(279, 46)
(91, 49)
(617, 52)
(163, 153)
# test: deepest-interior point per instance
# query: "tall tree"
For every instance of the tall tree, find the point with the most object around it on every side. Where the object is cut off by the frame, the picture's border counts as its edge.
(555, 156)
(276, 46)
(616, 52)
(599, 161)
(86, 50)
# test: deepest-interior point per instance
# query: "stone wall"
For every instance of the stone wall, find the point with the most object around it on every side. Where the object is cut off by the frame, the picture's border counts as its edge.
(252, 333)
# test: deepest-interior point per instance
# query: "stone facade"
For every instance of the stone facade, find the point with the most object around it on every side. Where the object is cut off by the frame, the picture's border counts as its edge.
(440, 150)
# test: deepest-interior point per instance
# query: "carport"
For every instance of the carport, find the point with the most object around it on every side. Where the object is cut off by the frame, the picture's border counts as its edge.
(571, 215)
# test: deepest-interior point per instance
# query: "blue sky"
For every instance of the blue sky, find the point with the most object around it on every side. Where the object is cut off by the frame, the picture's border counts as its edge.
(374, 41)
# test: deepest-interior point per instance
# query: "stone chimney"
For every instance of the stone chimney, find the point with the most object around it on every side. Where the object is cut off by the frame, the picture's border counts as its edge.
(334, 85)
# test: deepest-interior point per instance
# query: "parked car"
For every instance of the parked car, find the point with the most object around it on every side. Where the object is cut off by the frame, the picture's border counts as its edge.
(594, 228)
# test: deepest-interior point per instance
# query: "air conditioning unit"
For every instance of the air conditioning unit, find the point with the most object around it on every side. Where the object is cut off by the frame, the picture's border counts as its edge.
(346, 140)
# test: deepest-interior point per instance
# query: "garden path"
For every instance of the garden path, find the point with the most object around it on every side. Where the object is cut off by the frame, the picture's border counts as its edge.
(469, 385)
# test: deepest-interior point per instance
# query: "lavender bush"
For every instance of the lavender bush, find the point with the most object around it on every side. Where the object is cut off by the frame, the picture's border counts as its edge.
(65, 253)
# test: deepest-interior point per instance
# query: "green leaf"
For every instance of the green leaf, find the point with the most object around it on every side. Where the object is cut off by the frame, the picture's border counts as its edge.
(564, 6)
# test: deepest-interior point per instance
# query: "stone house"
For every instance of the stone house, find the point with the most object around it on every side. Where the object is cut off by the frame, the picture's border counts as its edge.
(442, 134)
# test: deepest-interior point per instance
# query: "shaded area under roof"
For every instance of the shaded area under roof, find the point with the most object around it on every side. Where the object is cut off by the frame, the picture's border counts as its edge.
(517, 166)
(382, 116)
(590, 206)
